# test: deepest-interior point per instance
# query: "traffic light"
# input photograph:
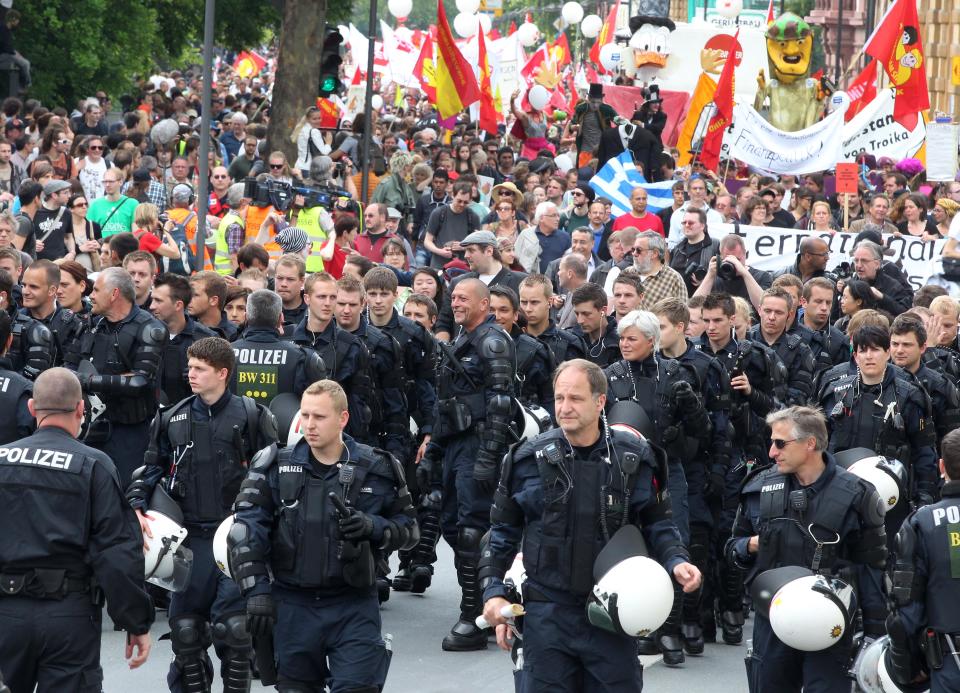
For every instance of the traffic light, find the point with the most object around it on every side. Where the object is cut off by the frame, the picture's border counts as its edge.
(330, 62)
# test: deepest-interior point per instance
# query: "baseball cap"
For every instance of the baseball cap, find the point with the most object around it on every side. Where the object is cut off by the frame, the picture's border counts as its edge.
(181, 192)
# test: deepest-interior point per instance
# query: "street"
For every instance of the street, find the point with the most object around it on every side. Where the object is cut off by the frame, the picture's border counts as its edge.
(418, 624)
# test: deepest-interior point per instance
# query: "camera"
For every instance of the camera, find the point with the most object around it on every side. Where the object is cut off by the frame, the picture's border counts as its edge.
(694, 271)
(281, 194)
(843, 271)
(727, 271)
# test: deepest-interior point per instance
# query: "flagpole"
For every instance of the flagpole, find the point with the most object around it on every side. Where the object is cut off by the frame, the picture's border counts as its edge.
(204, 162)
(368, 105)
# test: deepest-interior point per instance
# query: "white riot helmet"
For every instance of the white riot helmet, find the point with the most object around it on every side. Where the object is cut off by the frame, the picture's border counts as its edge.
(286, 408)
(811, 613)
(221, 552)
(633, 595)
(166, 563)
(536, 420)
(887, 475)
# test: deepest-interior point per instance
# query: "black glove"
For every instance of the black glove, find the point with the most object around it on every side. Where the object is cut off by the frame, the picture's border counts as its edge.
(356, 526)
(261, 615)
(716, 482)
(426, 467)
(485, 474)
(685, 397)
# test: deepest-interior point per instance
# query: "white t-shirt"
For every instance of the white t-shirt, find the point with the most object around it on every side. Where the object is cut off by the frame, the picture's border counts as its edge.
(91, 178)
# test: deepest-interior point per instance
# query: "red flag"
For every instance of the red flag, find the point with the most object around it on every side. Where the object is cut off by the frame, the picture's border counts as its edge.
(723, 100)
(818, 75)
(560, 51)
(424, 69)
(591, 74)
(605, 36)
(862, 90)
(574, 97)
(488, 111)
(513, 29)
(538, 58)
(770, 17)
(898, 46)
(455, 82)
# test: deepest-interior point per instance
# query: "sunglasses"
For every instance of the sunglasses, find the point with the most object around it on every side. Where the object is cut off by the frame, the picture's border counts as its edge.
(504, 209)
(80, 204)
(781, 444)
(219, 177)
(96, 147)
(638, 251)
(276, 166)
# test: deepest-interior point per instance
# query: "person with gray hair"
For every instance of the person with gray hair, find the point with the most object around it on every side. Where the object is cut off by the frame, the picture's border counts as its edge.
(892, 294)
(805, 489)
(267, 364)
(395, 191)
(673, 417)
(659, 280)
(125, 347)
(553, 241)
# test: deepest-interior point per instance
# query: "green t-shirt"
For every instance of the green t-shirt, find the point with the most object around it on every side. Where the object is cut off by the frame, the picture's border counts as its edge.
(121, 220)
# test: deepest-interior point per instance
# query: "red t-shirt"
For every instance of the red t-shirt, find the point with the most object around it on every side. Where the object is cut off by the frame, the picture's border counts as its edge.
(148, 241)
(649, 222)
(335, 264)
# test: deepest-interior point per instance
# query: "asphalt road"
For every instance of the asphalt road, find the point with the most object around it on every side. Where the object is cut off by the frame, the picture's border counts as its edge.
(418, 624)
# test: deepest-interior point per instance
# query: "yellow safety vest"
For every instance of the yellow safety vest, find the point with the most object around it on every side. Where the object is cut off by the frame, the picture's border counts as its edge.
(222, 261)
(309, 221)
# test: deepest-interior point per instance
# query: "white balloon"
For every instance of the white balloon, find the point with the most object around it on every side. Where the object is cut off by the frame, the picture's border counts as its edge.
(839, 101)
(376, 102)
(572, 12)
(729, 8)
(591, 26)
(468, 6)
(485, 23)
(528, 34)
(538, 96)
(465, 24)
(611, 55)
(400, 8)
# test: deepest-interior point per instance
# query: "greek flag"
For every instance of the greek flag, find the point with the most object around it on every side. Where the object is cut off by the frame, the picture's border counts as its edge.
(617, 179)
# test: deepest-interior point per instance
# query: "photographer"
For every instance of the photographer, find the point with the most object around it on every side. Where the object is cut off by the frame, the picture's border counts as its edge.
(692, 255)
(733, 276)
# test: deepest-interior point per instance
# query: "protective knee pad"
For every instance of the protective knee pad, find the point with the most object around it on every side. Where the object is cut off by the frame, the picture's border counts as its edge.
(189, 635)
(468, 541)
(231, 633)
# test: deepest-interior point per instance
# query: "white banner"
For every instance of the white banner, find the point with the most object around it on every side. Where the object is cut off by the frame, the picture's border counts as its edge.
(770, 249)
(874, 131)
(757, 143)
(941, 151)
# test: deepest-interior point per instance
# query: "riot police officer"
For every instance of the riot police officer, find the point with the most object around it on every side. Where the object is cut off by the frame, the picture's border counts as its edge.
(124, 345)
(268, 365)
(41, 281)
(418, 350)
(55, 560)
(536, 293)
(830, 346)
(597, 329)
(874, 409)
(473, 427)
(15, 391)
(563, 495)
(776, 307)
(169, 300)
(199, 451)
(926, 619)
(346, 360)
(666, 391)
(33, 349)
(319, 514)
(807, 511)
(758, 385)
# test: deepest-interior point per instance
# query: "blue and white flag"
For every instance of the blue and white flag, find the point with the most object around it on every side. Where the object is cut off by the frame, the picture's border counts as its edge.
(617, 179)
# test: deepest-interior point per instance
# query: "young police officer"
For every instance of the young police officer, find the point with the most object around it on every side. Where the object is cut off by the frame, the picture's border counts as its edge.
(199, 450)
(67, 534)
(320, 513)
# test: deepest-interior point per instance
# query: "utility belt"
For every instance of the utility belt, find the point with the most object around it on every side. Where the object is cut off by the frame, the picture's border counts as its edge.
(935, 646)
(458, 414)
(532, 594)
(44, 583)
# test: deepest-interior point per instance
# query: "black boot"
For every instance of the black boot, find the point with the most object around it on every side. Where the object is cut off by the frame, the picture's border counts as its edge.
(401, 581)
(465, 636)
(668, 637)
(690, 631)
(647, 645)
(731, 622)
(420, 578)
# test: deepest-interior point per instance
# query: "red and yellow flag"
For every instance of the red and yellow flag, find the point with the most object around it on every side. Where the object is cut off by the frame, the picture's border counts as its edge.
(488, 110)
(898, 46)
(723, 100)
(454, 79)
(605, 36)
(425, 69)
(560, 51)
(248, 64)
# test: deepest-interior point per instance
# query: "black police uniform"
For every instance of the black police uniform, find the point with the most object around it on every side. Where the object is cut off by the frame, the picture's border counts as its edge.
(327, 617)
(944, 360)
(944, 398)
(505, 277)
(66, 328)
(15, 391)
(924, 627)
(293, 317)
(348, 363)
(605, 350)
(564, 345)
(797, 357)
(778, 509)
(268, 366)
(173, 381)
(226, 329)
(200, 455)
(534, 371)
(127, 358)
(830, 347)
(68, 534)
(473, 425)
(33, 349)
(560, 505)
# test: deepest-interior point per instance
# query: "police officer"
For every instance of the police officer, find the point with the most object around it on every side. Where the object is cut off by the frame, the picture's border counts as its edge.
(54, 560)
(15, 391)
(534, 372)
(473, 427)
(874, 409)
(33, 349)
(925, 622)
(536, 293)
(908, 339)
(758, 385)
(169, 300)
(346, 360)
(319, 514)
(706, 471)
(125, 346)
(776, 307)
(199, 451)
(41, 281)
(268, 365)
(667, 391)
(807, 511)
(418, 351)
(830, 346)
(597, 329)
(558, 498)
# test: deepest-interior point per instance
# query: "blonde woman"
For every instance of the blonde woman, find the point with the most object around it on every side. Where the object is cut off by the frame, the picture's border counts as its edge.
(152, 238)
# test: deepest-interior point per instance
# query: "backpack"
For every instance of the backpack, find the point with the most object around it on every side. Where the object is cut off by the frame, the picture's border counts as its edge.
(187, 262)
